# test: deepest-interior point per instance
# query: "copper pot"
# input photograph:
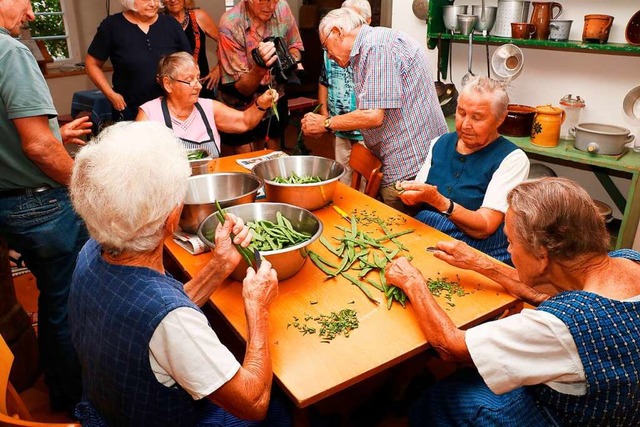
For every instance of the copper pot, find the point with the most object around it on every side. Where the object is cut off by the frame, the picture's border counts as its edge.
(596, 28)
(518, 121)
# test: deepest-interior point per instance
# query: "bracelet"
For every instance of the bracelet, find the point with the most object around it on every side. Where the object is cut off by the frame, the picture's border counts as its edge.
(258, 106)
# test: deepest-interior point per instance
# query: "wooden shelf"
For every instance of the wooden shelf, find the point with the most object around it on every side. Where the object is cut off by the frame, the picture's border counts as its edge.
(437, 31)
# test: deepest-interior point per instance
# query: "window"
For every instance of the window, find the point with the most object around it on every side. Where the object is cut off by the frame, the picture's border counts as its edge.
(228, 4)
(52, 26)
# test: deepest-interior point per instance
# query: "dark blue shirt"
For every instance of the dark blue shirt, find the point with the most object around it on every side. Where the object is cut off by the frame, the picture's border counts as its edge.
(135, 54)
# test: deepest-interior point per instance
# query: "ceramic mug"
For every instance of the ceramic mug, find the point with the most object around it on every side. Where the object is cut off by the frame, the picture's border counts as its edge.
(522, 30)
(560, 29)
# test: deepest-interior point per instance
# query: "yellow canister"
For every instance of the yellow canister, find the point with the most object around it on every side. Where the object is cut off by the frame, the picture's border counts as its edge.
(545, 131)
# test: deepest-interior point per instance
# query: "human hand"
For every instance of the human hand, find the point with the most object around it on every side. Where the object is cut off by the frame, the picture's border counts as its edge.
(267, 51)
(260, 287)
(268, 98)
(212, 79)
(313, 124)
(72, 131)
(402, 274)
(413, 193)
(225, 248)
(458, 254)
(117, 101)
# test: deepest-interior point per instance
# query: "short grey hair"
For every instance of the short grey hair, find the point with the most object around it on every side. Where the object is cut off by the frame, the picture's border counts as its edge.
(344, 18)
(131, 4)
(482, 85)
(359, 6)
(558, 215)
(173, 64)
(126, 182)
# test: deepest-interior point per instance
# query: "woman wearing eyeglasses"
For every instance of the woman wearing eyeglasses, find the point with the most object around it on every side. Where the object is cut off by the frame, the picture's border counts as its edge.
(197, 26)
(194, 120)
(134, 40)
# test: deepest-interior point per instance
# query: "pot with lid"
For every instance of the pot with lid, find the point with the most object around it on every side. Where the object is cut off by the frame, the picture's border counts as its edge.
(599, 138)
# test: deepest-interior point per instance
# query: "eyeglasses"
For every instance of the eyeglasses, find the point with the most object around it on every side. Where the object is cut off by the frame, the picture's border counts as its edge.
(192, 83)
(324, 42)
(265, 2)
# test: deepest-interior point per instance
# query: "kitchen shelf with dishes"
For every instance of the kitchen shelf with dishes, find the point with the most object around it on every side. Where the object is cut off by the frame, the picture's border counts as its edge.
(603, 167)
(439, 34)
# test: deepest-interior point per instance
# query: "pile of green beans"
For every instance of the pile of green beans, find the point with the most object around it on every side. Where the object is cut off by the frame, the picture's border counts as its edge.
(358, 251)
(270, 236)
(295, 179)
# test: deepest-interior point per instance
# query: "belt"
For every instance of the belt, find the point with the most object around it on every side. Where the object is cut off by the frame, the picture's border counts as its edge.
(15, 192)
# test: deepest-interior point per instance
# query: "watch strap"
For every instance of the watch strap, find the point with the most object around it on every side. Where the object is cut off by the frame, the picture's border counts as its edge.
(449, 210)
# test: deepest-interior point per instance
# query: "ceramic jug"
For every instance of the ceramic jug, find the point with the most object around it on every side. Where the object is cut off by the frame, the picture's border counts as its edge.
(545, 131)
(541, 17)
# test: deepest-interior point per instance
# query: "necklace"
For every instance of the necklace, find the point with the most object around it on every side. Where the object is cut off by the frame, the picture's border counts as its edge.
(185, 21)
(180, 117)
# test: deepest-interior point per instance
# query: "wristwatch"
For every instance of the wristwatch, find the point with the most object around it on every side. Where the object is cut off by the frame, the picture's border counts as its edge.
(327, 124)
(449, 210)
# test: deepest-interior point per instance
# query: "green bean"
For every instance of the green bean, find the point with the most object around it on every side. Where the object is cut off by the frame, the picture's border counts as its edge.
(246, 253)
(391, 236)
(360, 285)
(315, 110)
(322, 264)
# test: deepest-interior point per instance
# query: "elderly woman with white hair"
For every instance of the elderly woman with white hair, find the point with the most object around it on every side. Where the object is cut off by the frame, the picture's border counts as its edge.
(148, 354)
(572, 361)
(134, 40)
(462, 188)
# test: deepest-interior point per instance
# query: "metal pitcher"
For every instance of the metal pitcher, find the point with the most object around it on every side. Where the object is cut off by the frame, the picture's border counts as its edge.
(509, 11)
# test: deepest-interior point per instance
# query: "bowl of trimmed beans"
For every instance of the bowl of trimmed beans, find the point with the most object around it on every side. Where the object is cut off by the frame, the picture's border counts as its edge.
(281, 233)
(305, 181)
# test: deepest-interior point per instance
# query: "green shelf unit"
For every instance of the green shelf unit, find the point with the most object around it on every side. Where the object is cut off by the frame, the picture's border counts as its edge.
(603, 167)
(436, 29)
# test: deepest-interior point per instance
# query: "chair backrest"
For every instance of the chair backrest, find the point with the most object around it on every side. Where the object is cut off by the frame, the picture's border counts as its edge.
(365, 165)
(6, 419)
(6, 361)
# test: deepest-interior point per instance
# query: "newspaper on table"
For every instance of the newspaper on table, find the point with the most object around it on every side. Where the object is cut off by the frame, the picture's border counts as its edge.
(190, 242)
(250, 163)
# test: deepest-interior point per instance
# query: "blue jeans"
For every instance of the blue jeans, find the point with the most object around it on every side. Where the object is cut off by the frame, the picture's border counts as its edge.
(44, 228)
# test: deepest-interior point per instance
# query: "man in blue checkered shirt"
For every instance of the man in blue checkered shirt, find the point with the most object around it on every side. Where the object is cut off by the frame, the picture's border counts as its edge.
(397, 111)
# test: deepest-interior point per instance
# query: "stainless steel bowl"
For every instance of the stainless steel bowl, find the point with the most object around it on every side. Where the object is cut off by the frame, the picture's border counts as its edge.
(307, 196)
(232, 188)
(199, 166)
(287, 262)
(484, 26)
(450, 16)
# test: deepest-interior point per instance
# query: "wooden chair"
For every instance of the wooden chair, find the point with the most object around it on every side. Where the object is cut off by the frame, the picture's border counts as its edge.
(19, 414)
(365, 165)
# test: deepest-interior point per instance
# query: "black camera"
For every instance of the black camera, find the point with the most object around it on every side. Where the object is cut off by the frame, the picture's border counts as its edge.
(285, 64)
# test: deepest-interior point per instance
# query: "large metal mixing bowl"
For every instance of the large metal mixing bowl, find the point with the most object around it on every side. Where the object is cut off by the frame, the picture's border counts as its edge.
(307, 196)
(287, 261)
(232, 188)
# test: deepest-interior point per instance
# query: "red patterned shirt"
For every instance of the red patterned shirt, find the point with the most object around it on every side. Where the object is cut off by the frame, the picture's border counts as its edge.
(238, 39)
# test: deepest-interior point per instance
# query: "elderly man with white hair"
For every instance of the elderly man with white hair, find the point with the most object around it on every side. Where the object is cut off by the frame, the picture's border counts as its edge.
(148, 354)
(336, 95)
(398, 111)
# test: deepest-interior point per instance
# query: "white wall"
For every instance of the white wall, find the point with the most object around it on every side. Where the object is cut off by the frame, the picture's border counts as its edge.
(602, 80)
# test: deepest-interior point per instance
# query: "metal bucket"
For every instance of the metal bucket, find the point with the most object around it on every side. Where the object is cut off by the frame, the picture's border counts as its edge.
(509, 11)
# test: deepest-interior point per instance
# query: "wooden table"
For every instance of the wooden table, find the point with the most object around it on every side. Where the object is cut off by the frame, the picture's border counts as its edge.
(309, 370)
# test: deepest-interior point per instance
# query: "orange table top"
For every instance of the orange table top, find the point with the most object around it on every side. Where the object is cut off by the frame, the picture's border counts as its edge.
(309, 369)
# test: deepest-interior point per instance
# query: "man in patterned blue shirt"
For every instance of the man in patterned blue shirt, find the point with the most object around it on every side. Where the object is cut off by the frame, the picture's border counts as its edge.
(397, 111)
